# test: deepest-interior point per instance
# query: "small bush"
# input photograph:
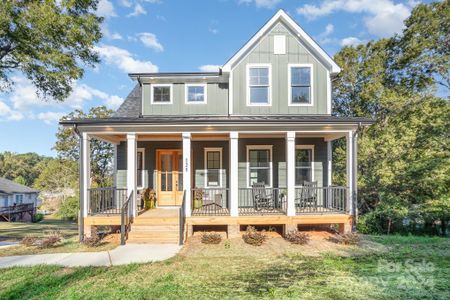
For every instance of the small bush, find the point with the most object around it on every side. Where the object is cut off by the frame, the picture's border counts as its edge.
(254, 237)
(50, 240)
(211, 238)
(92, 241)
(37, 217)
(29, 241)
(297, 237)
(346, 239)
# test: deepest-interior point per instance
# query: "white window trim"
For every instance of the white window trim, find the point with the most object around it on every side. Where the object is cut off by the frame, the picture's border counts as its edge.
(152, 86)
(205, 165)
(143, 167)
(310, 147)
(311, 66)
(205, 97)
(269, 66)
(260, 147)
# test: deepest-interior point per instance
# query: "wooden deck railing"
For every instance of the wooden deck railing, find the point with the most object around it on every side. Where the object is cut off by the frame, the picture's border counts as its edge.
(331, 199)
(250, 205)
(107, 201)
(210, 202)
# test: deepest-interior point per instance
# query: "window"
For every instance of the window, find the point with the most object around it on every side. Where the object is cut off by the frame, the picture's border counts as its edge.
(19, 199)
(161, 94)
(259, 159)
(213, 166)
(140, 167)
(304, 157)
(258, 79)
(300, 84)
(195, 94)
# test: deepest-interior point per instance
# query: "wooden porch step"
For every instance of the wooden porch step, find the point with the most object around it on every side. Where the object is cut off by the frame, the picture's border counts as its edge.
(154, 227)
(156, 221)
(153, 234)
(144, 240)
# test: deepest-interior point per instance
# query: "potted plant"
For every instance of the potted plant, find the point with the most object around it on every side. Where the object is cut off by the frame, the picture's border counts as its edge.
(149, 198)
(198, 198)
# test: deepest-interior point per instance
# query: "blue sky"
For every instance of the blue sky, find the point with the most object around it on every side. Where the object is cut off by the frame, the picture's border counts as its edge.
(164, 36)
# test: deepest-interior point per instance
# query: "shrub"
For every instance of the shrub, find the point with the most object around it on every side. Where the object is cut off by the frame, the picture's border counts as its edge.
(92, 241)
(50, 240)
(346, 239)
(69, 208)
(29, 241)
(211, 238)
(37, 217)
(254, 237)
(297, 237)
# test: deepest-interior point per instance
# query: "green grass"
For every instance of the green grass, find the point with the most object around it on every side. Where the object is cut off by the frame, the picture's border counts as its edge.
(16, 231)
(411, 268)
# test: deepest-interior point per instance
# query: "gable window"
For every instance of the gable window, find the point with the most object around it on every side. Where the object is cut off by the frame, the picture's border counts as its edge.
(140, 162)
(259, 160)
(213, 166)
(300, 85)
(258, 84)
(304, 157)
(161, 94)
(195, 94)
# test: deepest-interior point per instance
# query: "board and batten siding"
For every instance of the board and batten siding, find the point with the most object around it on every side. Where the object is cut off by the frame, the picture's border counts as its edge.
(217, 101)
(296, 53)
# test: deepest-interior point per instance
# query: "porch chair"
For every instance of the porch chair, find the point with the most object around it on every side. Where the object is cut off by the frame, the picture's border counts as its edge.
(308, 196)
(261, 199)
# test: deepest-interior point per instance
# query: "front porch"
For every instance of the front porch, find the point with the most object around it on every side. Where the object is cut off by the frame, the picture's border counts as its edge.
(211, 179)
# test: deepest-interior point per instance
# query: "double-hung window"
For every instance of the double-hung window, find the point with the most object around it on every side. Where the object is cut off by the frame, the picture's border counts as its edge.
(259, 159)
(300, 84)
(304, 157)
(161, 94)
(195, 94)
(213, 166)
(19, 199)
(258, 81)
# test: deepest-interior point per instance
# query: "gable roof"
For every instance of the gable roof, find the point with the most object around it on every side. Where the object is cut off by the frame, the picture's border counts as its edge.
(131, 107)
(9, 187)
(281, 15)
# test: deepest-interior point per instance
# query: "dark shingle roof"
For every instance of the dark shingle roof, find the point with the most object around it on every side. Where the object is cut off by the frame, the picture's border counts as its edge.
(131, 107)
(9, 187)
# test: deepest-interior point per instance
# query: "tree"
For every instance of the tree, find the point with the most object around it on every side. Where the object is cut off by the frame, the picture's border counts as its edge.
(57, 175)
(48, 41)
(21, 167)
(67, 146)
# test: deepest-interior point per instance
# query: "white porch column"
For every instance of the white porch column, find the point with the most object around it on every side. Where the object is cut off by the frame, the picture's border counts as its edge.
(349, 166)
(330, 162)
(234, 167)
(85, 172)
(290, 167)
(131, 168)
(355, 174)
(187, 173)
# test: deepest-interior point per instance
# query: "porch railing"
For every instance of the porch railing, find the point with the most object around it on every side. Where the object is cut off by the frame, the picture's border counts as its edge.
(125, 218)
(249, 205)
(210, 202)
(107, 201)
(331, 199)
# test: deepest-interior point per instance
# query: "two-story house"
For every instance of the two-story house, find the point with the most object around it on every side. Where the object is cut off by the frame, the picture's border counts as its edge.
(248, 145)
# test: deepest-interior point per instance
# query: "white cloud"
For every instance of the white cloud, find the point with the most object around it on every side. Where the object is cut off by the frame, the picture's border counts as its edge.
(384, 17)
(124, 60)
(138, 10)
(8, 114)
(113, 102)
(261, 3)
(209, 68)
(106, 9)
(328, 30)
(126, 3)
(50, 117)
(109, 34)
(150, 41)
(351, 41)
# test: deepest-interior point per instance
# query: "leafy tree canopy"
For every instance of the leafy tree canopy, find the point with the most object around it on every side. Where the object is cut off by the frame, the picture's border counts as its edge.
(21, 168)
(48, 40)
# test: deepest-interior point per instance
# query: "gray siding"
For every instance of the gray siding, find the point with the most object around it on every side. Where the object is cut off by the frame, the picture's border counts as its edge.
(295, 53)
(217, 101)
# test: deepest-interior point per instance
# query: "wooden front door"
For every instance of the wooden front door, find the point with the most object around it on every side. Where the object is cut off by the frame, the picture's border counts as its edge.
(170, 177)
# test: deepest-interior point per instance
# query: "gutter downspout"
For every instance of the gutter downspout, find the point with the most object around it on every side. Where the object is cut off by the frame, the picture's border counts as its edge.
(80, 178)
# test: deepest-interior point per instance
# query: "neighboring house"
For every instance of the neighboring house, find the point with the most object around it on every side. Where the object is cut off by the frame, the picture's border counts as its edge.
(14, 193)
(248, 145)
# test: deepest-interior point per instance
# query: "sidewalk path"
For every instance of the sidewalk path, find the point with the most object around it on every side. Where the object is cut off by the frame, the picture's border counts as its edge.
(127, 254)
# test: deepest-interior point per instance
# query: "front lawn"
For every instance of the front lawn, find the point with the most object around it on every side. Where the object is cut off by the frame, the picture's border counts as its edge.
(399, 268)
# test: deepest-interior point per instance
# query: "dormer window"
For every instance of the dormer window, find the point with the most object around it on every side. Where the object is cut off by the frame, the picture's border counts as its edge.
(195, 94)
(161, 94)
(258, 85)
(300, 85)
